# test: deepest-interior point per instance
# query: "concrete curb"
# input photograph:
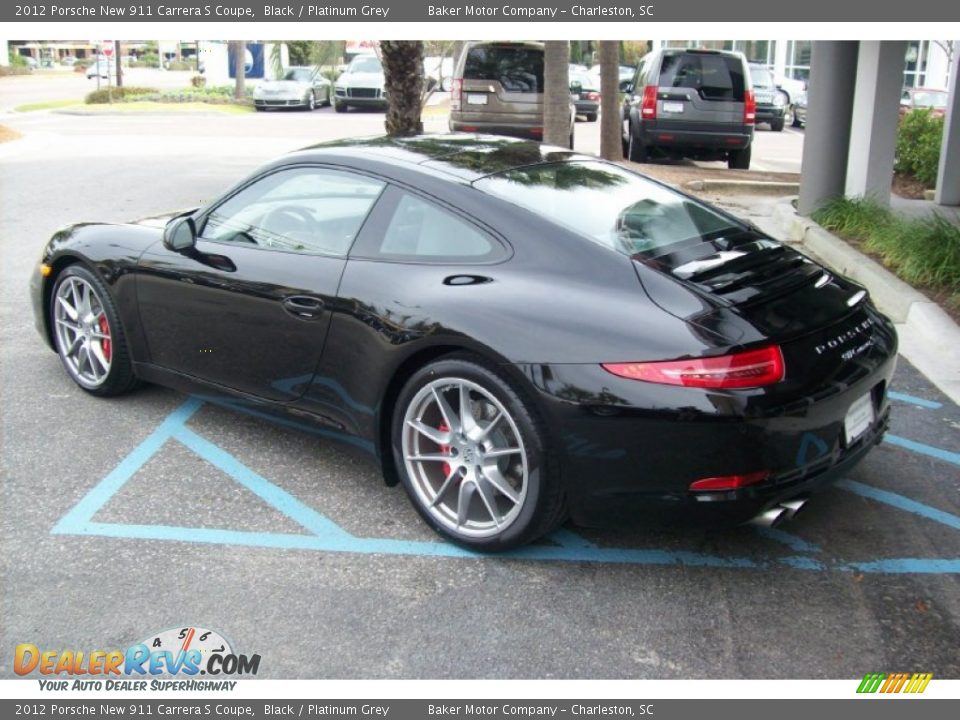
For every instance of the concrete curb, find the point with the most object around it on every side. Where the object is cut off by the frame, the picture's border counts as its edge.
(765, 187)
(929, 338)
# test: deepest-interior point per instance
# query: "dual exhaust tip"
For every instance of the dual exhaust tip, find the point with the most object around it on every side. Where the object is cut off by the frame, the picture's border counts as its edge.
(779, 513)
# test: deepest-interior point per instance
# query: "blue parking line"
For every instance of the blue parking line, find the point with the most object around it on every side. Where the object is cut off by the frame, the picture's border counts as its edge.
(789, 539)
(900, 502)
(923, 449)
(323, 534)
(914, 400)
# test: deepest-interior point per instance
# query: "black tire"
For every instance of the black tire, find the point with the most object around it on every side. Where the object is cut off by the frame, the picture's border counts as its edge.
(796, 121)
(339, 107)
(259, 108)
(636, 151)
(739, 159)
(777, 125)
(542, 507)
(570, 141)
(120, 377)
(591, 117)
(326, 102)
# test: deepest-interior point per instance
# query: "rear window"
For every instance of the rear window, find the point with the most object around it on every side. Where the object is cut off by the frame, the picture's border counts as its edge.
(517, 69)
(609, 205)
(714, 77)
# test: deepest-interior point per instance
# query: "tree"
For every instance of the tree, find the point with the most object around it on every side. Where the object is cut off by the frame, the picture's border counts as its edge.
(239, 50)
(556, 93)
(118, 53)
(611, 123)
(403, 83)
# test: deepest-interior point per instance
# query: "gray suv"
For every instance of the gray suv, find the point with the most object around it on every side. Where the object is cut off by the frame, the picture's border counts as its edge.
(690, 103)
(498, 89)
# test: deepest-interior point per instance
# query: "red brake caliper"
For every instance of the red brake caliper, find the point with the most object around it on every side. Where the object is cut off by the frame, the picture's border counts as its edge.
(445, 449)
(105, 344)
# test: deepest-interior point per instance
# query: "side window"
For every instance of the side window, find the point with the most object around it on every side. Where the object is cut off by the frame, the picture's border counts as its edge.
(421, 230)
(313, 211)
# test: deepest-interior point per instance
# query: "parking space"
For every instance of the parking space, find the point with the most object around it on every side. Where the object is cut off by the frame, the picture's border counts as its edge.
(125, 517)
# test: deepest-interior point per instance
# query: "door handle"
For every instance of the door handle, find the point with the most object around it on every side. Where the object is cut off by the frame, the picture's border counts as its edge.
(304, 307)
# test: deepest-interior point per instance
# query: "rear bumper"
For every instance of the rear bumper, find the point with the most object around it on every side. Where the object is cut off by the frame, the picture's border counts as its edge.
(633, 461)
(687, 135)
(530, 132)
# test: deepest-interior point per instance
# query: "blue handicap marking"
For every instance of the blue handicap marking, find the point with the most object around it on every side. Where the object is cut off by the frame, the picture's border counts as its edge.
(323, 534)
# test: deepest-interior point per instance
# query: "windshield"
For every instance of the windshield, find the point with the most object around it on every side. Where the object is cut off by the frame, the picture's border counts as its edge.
(608, 204)
(930, 99)
(761, 77)
(298, 74)
(365, 65)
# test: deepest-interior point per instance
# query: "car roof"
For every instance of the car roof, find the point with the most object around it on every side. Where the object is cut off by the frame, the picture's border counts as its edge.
(459, 157)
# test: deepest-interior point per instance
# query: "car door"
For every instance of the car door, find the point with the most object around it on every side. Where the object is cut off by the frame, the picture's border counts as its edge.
(248, 307)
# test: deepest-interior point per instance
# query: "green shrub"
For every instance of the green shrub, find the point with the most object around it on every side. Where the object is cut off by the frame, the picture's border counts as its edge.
(923, 252)
(918, 145)
(198, 81)
(118, 94)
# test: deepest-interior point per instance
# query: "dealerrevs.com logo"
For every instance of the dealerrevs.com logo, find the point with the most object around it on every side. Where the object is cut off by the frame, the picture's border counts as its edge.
(185, 652)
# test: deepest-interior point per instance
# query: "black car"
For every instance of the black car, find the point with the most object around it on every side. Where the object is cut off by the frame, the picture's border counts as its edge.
(521, 333)
(585, 92)
(773, 105)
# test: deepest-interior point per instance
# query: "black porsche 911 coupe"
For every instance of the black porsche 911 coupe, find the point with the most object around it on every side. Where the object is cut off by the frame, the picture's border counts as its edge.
(523, 334)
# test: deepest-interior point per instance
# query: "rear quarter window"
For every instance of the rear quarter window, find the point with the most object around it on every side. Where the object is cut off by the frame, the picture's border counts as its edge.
(517, 69)
(714, 77)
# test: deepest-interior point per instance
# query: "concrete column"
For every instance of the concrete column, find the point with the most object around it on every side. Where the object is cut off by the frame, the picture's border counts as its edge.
(876, 113)
(833, 70)
(948, 177)
(779, 57)
(4, 52)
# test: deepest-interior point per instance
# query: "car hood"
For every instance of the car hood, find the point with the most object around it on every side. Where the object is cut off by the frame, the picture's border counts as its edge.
(292, 86)
(361, 80)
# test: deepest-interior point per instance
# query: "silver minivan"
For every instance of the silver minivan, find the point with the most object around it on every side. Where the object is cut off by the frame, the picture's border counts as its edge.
(498, 89)
(690, 103)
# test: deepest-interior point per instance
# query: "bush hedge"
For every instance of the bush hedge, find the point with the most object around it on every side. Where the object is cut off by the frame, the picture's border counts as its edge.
(918, 146)
(118, 94)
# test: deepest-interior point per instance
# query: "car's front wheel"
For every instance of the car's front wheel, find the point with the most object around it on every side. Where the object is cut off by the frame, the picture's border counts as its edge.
(339, 106)
(87, 333)
(310, 102)
(472, 457)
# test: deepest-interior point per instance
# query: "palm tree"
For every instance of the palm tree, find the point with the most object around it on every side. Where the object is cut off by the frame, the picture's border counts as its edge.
(239, 50)
(556, 93)
(611, 124)
(403, 82)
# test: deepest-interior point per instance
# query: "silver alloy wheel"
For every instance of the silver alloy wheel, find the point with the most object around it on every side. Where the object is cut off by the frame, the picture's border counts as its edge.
(83, 332)
(465, 457)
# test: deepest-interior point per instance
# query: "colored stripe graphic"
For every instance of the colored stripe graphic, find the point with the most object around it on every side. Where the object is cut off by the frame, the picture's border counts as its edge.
(894, 682)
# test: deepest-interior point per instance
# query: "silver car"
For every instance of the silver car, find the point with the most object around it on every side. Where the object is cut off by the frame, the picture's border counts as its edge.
(301, 87)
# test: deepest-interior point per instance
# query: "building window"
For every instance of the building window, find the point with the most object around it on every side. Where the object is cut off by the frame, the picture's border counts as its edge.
(757, 51)
(915, 63)
(798, 59)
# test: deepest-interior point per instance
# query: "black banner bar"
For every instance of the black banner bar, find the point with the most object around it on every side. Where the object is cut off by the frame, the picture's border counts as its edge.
(619, 11)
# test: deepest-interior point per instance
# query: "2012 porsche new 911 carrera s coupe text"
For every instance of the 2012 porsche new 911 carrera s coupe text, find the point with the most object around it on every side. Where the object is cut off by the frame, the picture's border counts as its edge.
(520, 334)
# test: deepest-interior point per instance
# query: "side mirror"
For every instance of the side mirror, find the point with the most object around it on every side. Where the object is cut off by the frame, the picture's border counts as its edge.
(180, 234)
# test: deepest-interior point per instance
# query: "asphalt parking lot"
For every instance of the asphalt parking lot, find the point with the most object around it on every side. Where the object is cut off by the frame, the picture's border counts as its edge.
(125, 517)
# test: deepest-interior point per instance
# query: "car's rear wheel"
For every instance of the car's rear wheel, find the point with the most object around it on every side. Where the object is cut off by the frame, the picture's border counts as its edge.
(739, 159)
(472, 457)
(87, 333)
(570, 141)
